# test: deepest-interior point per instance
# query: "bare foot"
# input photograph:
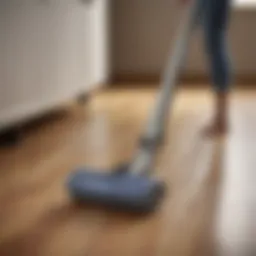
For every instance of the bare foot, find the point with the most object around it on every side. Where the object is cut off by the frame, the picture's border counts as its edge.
(216, 129)
(219, 126)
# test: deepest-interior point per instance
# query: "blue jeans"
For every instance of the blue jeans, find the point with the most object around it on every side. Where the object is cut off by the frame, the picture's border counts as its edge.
(214, 18)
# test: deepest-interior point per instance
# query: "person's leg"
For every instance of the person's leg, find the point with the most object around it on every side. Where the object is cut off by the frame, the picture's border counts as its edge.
(216, 25)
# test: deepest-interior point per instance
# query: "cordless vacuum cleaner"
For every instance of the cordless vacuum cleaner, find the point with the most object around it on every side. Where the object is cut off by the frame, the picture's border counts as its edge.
(129, 187)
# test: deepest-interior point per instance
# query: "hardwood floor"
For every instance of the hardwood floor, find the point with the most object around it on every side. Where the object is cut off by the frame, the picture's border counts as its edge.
(209, 209)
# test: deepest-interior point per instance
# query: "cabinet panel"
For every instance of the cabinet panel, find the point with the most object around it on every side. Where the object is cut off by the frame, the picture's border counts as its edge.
(47, 54)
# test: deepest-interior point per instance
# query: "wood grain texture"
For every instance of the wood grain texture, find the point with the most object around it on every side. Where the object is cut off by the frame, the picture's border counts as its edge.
(209, 209)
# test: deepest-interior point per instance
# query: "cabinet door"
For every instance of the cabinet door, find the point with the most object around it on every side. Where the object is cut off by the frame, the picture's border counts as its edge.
(73, 48)
(46, 55)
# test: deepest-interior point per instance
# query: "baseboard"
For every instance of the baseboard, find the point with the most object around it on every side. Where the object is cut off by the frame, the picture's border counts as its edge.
(187, 80)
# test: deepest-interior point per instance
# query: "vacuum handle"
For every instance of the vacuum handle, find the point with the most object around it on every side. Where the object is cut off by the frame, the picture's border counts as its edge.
(156, 123)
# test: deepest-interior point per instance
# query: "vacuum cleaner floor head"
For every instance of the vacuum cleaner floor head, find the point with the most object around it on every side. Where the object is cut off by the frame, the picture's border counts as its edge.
(120, 190)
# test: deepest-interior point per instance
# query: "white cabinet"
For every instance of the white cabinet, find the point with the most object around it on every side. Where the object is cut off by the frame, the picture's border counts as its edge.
(49, 53)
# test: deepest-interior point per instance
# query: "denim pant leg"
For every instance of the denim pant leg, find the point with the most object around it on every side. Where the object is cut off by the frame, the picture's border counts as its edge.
(215, 18)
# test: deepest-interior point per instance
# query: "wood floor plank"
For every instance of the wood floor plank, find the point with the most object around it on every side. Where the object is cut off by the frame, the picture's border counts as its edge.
(209, 208)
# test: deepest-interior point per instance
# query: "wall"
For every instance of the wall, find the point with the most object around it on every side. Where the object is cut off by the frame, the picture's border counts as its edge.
(49, 53)
(143, 32)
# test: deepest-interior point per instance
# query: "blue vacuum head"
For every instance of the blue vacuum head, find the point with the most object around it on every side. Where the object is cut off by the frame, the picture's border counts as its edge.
(119, 189)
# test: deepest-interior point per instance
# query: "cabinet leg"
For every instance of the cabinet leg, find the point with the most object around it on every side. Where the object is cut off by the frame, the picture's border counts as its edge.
(83, 98)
